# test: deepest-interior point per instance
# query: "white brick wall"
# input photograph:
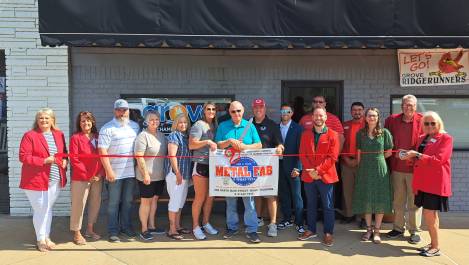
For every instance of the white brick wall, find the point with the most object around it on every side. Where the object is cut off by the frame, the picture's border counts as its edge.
(36, 77)
(371, 76)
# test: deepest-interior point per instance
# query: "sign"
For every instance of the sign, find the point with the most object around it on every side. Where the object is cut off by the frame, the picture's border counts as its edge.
(433, 67)
(170, 108)
(251, 173)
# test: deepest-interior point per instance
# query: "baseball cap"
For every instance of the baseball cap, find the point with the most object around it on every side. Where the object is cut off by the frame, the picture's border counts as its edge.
(258, 102)
(121, 104)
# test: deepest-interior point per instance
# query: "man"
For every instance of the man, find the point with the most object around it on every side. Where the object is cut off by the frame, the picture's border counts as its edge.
(117, 138)
(319, 151)
(332, 122)
(240, 134)
(269, 132)
(349, 163)
(405, 129)
(289, 188)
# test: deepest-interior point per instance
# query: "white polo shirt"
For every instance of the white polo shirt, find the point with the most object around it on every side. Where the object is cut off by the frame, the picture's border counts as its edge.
(119, 140)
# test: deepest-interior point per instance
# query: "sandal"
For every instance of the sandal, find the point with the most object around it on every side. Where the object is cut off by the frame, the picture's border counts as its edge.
(433, 252)
(376, 236)
(175, 236)
(184, 231)
(80, 241)
(42, 246)
(92, 235)
(367, 236)
(50, 244)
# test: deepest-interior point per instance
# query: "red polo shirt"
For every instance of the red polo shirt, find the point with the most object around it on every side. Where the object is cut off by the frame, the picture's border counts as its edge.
(351, 128)
(332, 122)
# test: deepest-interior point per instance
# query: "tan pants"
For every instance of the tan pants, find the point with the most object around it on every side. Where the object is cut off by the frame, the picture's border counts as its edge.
(404, 199)
(81, 191)
(348, 185)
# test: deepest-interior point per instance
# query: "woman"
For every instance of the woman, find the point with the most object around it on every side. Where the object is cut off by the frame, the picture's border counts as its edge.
(201, 140)
(373, 193)
(178, 174)
(150, 172)
(432, 175)
(42, 173)
(87, 175)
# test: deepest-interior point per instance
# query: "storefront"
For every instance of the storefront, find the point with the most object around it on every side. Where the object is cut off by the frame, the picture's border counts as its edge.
(283, 61)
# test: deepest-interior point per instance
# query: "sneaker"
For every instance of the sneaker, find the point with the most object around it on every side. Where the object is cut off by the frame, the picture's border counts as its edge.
(114, 239)
(307, 235)
(328, 240)
(157, 231)
(414, 238)
(210, 229)
(272, 230)
(198, 233)
(146, 236)
(129, 233)
(260, 221)
(284, 224)
(253, 237)
(394, 234)
(300, 229)
(230, 233)
(431, 253)
(425, 248)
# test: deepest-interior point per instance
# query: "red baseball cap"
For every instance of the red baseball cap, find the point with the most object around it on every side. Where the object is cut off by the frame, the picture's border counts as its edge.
(258, 102)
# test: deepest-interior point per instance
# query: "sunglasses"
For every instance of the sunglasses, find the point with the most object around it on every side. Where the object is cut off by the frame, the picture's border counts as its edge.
(211, 109)
(235, 111)
(284, 111)
(429, 123)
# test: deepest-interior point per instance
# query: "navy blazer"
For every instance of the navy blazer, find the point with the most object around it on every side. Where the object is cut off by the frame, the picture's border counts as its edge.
(292, 146)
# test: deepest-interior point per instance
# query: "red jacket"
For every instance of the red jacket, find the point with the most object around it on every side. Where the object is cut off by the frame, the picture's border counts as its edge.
(33, 151)
(322, 158)
(84, 168)
(432, 172)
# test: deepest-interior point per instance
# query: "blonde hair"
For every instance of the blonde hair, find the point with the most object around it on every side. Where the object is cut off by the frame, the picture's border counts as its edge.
(176, 122)
(49, 112)
(437, 118)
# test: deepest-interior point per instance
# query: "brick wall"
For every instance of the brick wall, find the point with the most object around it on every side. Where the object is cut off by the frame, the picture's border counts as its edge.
(101, 75)
(36, 77)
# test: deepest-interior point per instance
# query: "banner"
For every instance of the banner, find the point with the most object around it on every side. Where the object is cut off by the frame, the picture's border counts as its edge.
(433, 67)
(251, 173)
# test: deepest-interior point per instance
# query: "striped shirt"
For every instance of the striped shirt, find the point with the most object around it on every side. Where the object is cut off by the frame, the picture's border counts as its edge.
(119, 140)
(54, 174)
(184, 163)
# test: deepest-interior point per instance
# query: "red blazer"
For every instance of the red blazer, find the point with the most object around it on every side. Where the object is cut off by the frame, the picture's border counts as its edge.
(432, 172)
(322, 158)
(33, 151)
(84, 168)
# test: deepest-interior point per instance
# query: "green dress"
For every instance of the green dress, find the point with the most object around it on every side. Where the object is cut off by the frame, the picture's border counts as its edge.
(373, 192)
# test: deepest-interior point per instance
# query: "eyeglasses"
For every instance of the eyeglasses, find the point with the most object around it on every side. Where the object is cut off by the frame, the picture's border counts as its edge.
(235, 111)
(430, 123)
(285, 111)
(318, 101)
(211, 109)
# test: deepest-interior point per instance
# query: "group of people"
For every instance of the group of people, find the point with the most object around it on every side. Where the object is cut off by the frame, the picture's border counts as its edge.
(403, 166)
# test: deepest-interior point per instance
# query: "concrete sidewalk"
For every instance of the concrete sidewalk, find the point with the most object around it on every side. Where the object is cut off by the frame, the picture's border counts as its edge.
(17, 247)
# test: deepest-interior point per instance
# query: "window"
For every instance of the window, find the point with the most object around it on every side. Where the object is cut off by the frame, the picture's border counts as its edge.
(454, 110)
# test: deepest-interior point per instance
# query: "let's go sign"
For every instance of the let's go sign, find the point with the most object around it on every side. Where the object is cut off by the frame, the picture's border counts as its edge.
(251, 173)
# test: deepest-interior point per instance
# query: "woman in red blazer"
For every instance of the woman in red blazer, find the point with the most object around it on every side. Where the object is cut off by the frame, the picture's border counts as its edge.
(87, 175)
(43, 173)
(432, 175)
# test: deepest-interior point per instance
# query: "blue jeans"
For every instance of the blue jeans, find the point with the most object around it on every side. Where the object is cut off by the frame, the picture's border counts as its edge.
(250, 215)
(120, 205)
(326, 191)
(290, 189)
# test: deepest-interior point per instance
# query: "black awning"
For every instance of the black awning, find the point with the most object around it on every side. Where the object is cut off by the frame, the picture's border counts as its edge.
(268, 24)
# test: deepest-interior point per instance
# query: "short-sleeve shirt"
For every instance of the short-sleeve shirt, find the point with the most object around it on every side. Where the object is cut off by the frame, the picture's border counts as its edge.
(332, 122)
(228, 129)
(269, 132)
(183, 153)
(152, 145)
(202, 131)
(119, 140)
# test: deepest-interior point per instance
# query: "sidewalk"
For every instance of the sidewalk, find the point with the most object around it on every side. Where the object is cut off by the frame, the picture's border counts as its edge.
(17, 247)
